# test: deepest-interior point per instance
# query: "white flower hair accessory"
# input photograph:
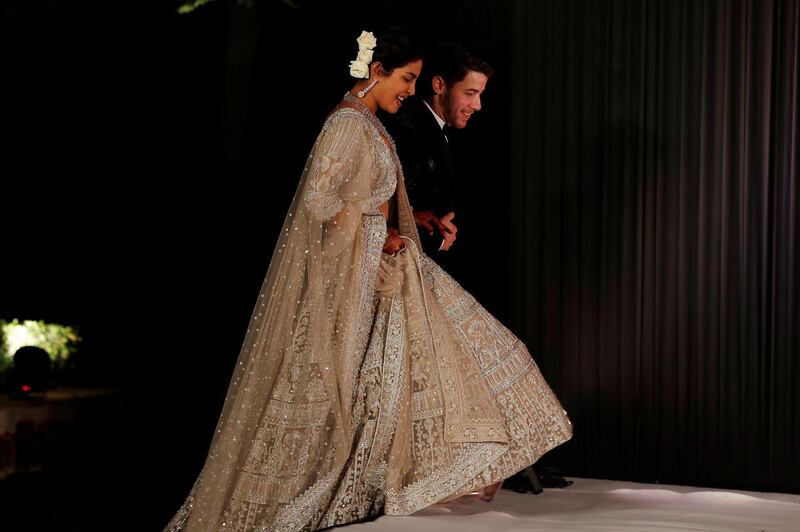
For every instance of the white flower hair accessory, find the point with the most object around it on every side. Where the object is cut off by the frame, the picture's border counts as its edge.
(360, 67)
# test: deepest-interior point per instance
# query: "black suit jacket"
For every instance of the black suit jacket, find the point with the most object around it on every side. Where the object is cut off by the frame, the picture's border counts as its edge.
(428, 167)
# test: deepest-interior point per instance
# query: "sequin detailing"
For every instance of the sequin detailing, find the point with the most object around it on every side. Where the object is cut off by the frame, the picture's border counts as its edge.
(366, 383)
(348, 145)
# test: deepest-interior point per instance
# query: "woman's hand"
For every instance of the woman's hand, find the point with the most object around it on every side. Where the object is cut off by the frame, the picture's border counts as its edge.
(394, 242)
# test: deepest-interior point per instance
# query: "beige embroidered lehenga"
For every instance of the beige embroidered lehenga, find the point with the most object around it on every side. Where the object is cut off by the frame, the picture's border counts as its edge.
(367, 383)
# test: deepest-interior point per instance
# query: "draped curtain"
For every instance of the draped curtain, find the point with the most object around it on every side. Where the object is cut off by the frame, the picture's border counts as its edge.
(654, 232)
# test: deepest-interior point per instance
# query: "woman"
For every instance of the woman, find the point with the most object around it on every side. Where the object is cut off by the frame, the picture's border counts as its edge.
(369, 380)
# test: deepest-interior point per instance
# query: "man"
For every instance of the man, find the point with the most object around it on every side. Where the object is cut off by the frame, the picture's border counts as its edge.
(450, 90)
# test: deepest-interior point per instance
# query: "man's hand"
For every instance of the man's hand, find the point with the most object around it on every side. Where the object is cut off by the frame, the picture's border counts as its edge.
(426, 220)
(430, 222)
(448, 230)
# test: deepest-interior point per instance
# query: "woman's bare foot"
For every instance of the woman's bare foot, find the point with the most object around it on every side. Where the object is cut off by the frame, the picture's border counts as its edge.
(461, 500)
(488, 493)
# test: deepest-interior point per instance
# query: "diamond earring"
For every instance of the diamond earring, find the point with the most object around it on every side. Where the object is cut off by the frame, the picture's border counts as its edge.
(363, 92)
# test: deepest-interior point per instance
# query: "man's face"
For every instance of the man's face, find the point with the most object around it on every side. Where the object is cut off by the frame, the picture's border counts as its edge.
(463, 99)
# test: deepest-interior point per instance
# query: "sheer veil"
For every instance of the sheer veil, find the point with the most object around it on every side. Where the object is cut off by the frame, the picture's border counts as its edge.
(296, 314)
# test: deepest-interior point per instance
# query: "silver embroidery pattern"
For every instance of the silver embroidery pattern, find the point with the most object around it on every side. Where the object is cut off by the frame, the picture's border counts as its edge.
(329, 173)
(391, 382)
(394, 388)
(467, 465)
(303, 509)
(374, 229)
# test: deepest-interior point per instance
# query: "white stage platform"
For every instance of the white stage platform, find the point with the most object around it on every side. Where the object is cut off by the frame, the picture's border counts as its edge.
(608, 506)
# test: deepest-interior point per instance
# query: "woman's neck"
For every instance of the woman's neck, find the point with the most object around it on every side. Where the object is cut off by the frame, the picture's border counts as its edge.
(368, 100)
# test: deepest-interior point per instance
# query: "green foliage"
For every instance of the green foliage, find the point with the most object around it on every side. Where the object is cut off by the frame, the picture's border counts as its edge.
(188, 7)
(60, 341)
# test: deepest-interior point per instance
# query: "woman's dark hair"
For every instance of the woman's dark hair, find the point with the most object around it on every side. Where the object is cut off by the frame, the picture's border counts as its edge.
(394, 49)
(451, 62)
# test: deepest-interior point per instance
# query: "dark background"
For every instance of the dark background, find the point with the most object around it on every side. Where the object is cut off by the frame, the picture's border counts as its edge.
(628, 206)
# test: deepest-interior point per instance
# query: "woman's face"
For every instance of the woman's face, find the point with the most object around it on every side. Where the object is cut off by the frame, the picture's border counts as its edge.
(394, 88)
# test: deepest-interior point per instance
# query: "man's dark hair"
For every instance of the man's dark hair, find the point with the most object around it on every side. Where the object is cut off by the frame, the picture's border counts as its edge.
(451, 62)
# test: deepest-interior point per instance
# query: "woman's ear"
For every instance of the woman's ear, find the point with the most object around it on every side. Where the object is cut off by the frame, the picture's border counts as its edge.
(376, 70)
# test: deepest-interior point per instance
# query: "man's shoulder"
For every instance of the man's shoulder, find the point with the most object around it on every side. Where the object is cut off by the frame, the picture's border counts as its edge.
(413, 118)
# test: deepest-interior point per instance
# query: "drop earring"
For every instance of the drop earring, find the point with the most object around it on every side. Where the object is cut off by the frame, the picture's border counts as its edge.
(363, 92)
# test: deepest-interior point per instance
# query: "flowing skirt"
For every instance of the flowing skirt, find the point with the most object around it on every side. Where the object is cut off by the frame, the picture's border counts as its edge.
(445, 400)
